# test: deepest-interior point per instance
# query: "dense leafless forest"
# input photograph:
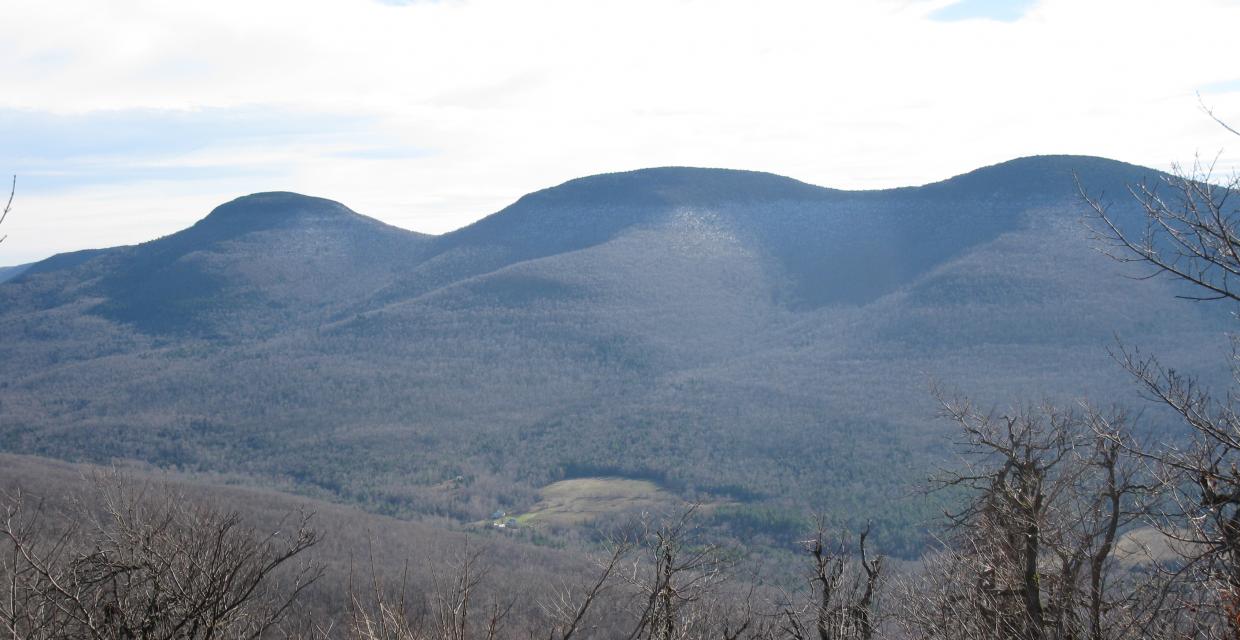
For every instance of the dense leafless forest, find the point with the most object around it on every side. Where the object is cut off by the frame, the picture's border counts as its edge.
(737, 338)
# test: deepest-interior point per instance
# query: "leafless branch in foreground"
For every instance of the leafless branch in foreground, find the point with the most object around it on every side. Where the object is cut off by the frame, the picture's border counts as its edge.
(143, 562)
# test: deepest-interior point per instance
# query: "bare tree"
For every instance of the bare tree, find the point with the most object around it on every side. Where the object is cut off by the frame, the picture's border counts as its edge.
(675, 585)
(8, 205)
(569, 608)
(656, 582)
(1192, 234)
(145, 563)
(449, 611)
(1031, 554)
(843, 591)
(1190, 230)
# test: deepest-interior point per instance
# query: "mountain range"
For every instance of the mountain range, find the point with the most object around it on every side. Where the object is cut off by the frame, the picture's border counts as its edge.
(733, 335)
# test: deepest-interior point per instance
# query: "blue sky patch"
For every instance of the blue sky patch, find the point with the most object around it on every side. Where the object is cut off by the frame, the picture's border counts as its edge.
(998, 10)
(1225, 86)
(55, 151)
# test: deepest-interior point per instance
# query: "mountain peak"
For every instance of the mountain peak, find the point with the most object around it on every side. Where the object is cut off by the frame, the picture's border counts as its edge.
(675, 185)
(1048, 174)
(277, 206)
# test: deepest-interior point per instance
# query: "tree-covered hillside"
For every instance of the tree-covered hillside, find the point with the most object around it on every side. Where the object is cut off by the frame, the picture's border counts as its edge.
(733, 335)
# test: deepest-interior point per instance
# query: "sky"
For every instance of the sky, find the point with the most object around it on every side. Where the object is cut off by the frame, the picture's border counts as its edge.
(125, 120)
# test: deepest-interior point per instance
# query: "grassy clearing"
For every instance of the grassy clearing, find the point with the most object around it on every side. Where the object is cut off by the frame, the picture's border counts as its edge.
(581, 500)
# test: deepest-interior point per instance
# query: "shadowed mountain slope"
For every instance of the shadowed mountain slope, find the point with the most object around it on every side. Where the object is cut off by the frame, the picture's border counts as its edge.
(830, 245)
(727, 333)
(259, 264)
(8, 273)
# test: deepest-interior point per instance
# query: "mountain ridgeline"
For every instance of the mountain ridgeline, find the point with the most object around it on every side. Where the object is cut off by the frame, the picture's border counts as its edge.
(733, 335)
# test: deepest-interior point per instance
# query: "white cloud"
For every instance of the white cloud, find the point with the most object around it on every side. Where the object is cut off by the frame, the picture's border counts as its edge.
(506, 96)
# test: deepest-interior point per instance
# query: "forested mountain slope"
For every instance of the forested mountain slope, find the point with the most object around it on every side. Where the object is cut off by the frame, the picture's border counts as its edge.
(7, 273)
(731, 334)
(257, 265)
